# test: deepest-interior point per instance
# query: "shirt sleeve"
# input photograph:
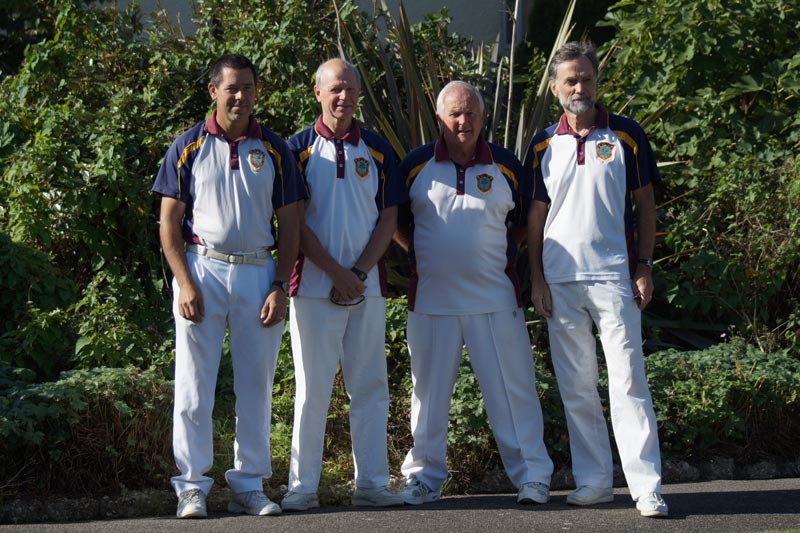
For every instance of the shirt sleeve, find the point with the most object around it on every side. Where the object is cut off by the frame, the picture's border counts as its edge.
(289, 184)
(175, 174)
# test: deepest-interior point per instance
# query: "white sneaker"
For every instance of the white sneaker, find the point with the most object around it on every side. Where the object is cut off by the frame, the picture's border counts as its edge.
(253, 502)
(376, 497)
(416, 492)
(296, 501)
(192, 504)
(586, 495)
(533, 492)
(651, 505)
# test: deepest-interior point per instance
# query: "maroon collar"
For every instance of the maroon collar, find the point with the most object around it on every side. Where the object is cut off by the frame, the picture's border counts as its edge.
(253, 128)
(353, 135)
(483, 154)
(600, 122)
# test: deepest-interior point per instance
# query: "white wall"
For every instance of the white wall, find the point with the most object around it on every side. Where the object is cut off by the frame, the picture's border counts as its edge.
(481, 20)
(180, 11)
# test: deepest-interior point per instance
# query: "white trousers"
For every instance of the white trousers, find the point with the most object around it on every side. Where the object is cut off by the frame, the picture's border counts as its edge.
(323, 335)
(500, 353)
(233, 296)
(610, 305)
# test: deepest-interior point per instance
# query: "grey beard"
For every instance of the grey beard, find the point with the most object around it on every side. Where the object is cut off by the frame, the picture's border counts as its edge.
(578, 107)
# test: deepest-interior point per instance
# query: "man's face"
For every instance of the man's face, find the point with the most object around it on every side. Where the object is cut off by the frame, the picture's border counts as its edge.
(461, 118)
(337, 92)
(575, 85)
(235, 97)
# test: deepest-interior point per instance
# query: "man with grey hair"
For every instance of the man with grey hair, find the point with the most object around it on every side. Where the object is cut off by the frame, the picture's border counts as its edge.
(590, 168)
(338, 289)
(468, 198)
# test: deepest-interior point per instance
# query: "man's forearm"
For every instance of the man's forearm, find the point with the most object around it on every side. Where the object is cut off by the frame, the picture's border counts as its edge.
(379, 240)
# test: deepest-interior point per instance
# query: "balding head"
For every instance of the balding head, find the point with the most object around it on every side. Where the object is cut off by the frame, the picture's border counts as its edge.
(336, 66)
(336, 88)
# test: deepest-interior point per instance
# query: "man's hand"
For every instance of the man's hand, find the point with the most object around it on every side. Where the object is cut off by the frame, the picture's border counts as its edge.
(540, 296)
(190, 303)
(346, 285)
(643, 286)
(274, 308)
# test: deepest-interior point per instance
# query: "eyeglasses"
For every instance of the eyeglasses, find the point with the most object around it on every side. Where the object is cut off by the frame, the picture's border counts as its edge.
(348, 303)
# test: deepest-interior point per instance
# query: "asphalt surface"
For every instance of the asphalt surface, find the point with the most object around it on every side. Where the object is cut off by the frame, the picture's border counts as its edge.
(728, 506)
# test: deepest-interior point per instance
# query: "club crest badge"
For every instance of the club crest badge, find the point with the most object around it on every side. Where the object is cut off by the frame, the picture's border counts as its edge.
(362, 167)
(484, 182)
(605, 151)
(256, 159)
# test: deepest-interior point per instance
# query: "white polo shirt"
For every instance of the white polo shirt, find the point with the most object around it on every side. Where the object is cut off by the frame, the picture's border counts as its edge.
(350, 180)
(230, 187)
(589, 231)
(462, 256)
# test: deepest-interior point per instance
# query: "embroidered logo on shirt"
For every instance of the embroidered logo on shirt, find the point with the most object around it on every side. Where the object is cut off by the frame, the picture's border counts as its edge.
(605, 151)
(256, 159)
(362, 167)
(484, 182)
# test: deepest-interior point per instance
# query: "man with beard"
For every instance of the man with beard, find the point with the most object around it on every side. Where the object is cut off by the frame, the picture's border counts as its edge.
(587, 268)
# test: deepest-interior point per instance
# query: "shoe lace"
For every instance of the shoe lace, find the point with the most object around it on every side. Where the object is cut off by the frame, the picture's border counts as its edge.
(191, 496)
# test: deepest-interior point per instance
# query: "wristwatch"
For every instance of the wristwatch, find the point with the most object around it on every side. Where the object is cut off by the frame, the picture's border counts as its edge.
(282, 285)
(360, 273)
(647, 262)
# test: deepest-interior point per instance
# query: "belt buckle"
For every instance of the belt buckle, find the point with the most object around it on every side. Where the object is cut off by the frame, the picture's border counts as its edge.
(231, 258)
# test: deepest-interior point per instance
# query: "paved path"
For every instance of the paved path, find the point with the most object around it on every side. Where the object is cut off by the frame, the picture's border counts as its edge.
(726, 506)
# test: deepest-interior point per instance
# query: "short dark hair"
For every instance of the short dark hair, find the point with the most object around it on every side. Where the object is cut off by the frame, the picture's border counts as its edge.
(573, 50)
(234, 61)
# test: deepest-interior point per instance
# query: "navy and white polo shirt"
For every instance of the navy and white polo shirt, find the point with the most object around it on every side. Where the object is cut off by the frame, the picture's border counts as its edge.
(461, 252)
(587, 181)
(230, 187)
(350, 180)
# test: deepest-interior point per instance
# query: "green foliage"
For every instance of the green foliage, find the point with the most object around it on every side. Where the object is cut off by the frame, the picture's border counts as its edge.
(115, 326)
(731, 399)
(92, 431)
(728, 68)
(736, 252)
(717, 86)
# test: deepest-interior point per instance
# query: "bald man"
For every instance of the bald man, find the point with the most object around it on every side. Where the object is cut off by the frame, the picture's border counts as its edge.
(338, 289)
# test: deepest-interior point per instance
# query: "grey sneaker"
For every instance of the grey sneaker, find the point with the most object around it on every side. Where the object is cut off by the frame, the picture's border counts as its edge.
(192, 504)
(416, 492)
(253, 502)
(296, 501)
(533, 492)
(376, 497)
(652, 506)
(586, 495)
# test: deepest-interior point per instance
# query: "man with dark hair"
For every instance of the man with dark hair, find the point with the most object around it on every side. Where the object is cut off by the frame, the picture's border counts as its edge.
(468, 199)
(590, 168)
(221, 183)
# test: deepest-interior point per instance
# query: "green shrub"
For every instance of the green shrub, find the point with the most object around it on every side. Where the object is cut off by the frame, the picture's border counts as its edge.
(93, 431)
(735, 254)
(731, 399)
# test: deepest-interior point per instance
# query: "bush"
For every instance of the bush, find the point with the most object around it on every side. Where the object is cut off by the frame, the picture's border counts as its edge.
(736, 253)
(731, 399)
(93, 431)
